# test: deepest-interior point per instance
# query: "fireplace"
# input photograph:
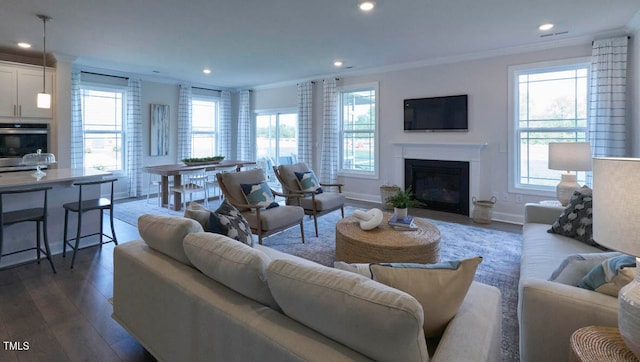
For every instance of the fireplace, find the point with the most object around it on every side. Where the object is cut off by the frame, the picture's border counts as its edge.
(439, 185)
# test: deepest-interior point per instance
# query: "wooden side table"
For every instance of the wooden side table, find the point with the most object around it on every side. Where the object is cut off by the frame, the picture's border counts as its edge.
(599, 344)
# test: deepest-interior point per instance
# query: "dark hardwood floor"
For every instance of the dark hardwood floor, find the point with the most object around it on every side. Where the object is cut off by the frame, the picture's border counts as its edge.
(67, 316)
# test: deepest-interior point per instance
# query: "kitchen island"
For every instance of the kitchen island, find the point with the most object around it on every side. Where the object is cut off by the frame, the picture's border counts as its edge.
(22, 235)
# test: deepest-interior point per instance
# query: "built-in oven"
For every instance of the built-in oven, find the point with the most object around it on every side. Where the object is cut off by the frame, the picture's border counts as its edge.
(19, 139)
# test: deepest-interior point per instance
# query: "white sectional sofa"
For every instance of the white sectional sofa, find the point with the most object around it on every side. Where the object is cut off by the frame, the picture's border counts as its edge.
(180, 314)
(549, 312)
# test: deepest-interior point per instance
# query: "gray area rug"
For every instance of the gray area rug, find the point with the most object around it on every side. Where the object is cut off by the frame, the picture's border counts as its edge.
(500, 251)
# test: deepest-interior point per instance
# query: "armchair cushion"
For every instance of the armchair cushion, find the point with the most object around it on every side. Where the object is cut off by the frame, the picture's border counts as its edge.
(324, 201)
(308, 182)
(232, 180)
(274, 218)
(259, 194)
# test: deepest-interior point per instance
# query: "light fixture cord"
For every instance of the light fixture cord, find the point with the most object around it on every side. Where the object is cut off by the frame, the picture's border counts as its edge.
(44, 53)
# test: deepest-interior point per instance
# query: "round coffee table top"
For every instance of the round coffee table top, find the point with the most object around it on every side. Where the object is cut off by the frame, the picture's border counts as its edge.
(386, 244)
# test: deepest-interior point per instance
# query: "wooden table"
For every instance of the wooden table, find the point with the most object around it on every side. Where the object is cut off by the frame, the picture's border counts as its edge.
(591, 344)
(385, 244)
(174, 170)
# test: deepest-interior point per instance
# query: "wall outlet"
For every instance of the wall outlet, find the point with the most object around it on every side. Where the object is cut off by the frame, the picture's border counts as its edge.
(505, 196)
(518, 199)
(495, 194)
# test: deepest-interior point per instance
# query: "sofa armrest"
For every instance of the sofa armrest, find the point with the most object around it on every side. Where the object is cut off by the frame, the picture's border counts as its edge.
(541, 214)
(474, 334)
(550, 312)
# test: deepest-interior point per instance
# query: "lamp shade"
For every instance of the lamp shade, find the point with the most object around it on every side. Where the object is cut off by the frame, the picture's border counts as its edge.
(43, 100)
(616, 204)
(570, 156)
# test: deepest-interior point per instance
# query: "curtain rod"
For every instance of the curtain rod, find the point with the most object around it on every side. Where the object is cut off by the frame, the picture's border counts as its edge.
(628, 37)
(209, 89)
(105, 75)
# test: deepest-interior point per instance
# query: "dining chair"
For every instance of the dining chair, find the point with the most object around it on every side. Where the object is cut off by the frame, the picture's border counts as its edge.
(212, 180)
(193, 182)
(155, 181)
(83, 205)
(36, 214)
(314, 202)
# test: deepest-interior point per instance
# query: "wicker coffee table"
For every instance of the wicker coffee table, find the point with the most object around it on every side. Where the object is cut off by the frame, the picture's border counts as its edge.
(385, 244)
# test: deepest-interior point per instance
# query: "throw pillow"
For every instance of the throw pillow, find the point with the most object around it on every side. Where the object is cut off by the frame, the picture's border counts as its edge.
(440, 288)
(358, 268)
(308, 182)
(259, 194)
(611, 275)
(574, 267)
(198, 213)
(227, 220)
(576, 219)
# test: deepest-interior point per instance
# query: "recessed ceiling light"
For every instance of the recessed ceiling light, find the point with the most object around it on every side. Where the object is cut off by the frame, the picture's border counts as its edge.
(206, 71)
(545, 27)
(24, 45)
(337, 63)
(367, 5)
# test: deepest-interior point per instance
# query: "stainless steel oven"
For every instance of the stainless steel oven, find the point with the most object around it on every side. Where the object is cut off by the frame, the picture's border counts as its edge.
(18, 139)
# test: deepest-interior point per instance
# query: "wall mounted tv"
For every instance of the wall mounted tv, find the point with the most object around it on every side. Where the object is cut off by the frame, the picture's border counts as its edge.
(436, 114)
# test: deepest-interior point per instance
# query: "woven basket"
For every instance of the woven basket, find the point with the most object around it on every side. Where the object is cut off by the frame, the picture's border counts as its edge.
(385, 193)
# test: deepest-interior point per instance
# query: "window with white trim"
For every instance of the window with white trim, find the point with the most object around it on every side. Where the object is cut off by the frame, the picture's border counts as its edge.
(358, 119)
(103, 114)
(204, 126)
(548, 103)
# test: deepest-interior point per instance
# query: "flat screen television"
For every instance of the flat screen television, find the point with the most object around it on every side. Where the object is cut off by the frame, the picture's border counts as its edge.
(436, 114)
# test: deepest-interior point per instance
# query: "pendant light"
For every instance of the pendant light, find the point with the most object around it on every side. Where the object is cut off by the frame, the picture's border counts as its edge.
(44, 98)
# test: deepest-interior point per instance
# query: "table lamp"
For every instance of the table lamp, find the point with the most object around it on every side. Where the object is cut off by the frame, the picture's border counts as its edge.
(569, 156)
(616, 225)
(38, 159)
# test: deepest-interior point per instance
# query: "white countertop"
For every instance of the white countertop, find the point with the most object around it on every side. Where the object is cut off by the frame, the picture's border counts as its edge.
(57, 175)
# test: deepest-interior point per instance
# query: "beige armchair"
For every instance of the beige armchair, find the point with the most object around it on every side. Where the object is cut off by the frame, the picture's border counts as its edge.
(313, 204)
(263, 222)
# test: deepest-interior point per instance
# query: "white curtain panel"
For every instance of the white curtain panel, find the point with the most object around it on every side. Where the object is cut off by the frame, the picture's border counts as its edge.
(184, 122)
(606, 121)
(134, 137)
(77, 134)
(305, 124)
(246, 144)
(225, 135)
(329, 155)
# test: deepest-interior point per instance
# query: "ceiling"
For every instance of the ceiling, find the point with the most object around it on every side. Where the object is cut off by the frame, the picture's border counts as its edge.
(249, 43)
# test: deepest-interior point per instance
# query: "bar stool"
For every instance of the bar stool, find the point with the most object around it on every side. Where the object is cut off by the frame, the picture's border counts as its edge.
(36, 214)
(84, 205)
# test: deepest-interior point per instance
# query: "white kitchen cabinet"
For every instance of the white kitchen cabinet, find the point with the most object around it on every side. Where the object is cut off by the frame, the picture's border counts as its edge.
(19, 87)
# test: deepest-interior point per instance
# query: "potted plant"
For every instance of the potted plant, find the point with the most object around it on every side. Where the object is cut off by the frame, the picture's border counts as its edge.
(401, 200)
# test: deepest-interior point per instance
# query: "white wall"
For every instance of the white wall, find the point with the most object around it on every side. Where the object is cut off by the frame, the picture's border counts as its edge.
(634, 84)
(484, 80)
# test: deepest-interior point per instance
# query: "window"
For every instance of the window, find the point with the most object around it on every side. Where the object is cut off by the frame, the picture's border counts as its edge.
(548, 104)
(204, 127)
(103, 112)
(277, 136)
(358, 119)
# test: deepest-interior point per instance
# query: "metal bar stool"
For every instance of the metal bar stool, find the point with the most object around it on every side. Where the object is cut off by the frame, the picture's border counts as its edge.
(84, 205)
(36, 214)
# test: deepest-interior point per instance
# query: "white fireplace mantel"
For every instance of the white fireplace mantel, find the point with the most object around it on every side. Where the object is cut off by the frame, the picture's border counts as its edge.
(469, 152)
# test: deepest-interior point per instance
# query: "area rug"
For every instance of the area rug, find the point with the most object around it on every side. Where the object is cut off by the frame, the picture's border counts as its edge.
(500, 251)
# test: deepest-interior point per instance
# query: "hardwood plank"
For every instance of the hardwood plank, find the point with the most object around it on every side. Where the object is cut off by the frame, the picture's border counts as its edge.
(81, 342)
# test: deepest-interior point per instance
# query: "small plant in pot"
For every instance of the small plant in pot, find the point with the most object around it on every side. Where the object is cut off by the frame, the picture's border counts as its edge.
(401, 201)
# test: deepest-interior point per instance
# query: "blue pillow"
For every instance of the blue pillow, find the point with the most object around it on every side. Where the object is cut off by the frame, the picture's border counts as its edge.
(308, 182)
(259, 194)
(227, 220)
(610, 276)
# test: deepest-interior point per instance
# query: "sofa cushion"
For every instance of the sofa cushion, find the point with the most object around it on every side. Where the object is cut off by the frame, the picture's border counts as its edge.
(198, 213)
(611, 275)
(165, 234)
(231, 263)
(228, 221)
(576, 219)
(574, 267)
(440, 288)
(381, 322)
